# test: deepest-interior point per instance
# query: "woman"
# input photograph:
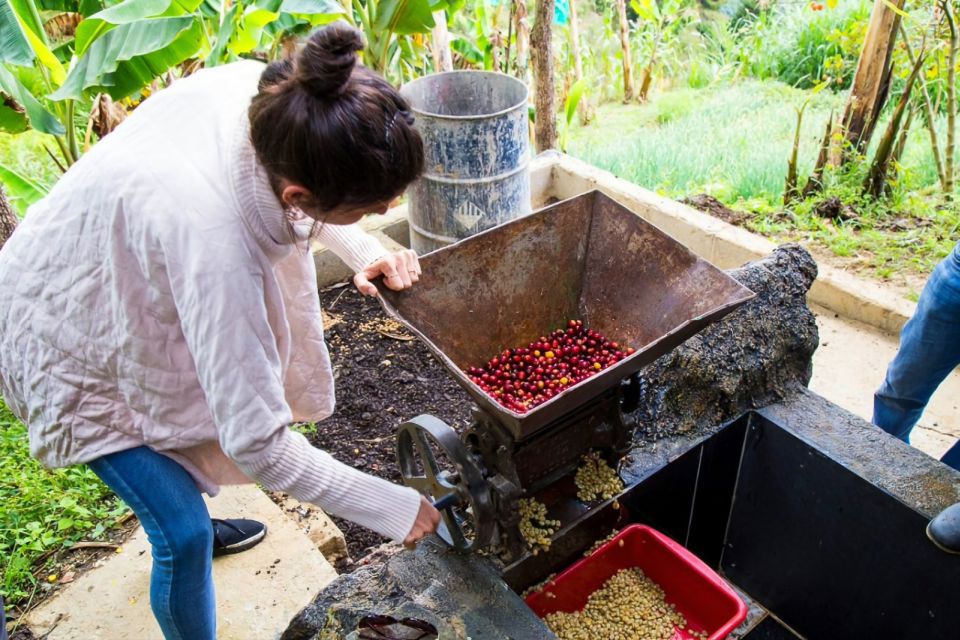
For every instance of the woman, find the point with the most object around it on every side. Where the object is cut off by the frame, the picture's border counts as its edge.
(159, 318)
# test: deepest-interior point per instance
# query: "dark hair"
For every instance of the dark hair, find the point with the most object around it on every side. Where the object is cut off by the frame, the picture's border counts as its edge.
(323, 121)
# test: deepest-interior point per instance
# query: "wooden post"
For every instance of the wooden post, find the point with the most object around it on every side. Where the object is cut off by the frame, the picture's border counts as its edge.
(541, 48)
(442, 58)
(625, 46)
(871, 83)
(8, 218)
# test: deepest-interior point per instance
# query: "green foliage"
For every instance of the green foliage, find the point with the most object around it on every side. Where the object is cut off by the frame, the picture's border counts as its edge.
(43, 511)
(570, 109)
(802, 47)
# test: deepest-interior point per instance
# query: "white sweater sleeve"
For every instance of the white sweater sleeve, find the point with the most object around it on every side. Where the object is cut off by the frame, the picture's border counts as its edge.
(219, 298)
(312, 475)
(353, 245)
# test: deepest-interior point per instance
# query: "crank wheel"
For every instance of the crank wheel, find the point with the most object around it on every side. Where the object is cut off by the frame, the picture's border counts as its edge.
(468, 521)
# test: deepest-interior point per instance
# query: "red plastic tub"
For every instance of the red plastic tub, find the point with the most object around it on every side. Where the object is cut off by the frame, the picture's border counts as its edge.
(703, 597)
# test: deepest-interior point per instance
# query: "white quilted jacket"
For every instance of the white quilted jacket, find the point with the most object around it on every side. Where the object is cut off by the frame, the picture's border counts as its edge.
(157, 296)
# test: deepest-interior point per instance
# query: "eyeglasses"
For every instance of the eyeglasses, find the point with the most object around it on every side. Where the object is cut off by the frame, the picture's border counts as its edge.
(377, 627)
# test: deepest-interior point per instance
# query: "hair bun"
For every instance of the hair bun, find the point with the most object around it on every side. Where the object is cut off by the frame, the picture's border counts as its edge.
(325, 63)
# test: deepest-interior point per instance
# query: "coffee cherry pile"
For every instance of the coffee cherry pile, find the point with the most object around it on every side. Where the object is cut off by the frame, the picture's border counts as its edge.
(629, 606)
(524, 377)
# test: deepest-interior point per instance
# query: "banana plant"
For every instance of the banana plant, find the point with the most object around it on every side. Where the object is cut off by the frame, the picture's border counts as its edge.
(395, 29)
(269, 26)
(49, 68)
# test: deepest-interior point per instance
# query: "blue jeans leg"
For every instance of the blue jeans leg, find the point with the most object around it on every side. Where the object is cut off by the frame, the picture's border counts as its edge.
(167, 502)
(929, 351)
(952, 457)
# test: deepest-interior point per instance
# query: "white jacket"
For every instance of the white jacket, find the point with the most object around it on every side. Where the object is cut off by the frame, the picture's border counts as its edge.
(158, 296)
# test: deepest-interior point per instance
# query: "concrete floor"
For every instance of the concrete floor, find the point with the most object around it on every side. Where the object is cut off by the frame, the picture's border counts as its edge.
(257, 591)
(850, 365)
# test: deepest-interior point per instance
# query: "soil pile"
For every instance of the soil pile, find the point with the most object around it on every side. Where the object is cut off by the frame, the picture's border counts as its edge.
(384, 376)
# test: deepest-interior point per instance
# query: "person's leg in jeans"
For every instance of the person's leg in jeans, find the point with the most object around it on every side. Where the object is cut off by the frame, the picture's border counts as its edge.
(929, 351)
(172, 512)
(952, 456)
(3, 621)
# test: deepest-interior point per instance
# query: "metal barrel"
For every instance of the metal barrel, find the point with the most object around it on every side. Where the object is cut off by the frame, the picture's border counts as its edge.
(475, 130)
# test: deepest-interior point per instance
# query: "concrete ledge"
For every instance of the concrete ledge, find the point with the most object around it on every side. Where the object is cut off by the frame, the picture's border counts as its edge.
(317, 526)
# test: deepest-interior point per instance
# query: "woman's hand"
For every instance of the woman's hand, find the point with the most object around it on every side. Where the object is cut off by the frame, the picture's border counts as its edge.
(428, 519)
(400, 270)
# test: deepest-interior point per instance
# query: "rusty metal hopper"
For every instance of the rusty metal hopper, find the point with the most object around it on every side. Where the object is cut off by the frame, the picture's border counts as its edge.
(589, 258)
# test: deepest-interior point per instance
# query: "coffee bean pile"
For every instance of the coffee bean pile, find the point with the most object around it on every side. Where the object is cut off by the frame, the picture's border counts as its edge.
(596, 480)
(535, 527)
(629, 606)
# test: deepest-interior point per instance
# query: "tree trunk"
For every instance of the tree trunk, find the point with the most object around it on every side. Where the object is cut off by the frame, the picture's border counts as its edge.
(442, 59)
(790, 191)
(871, 83)
(648, 76)
(876, 180)
(948, 152)
(541, 47)
(893, 172)
(8, 218)
(815, 181)
(625, 46)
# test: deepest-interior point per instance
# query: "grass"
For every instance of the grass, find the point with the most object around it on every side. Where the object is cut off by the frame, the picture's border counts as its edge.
(729, 142)
(42, 512)
(732, 142)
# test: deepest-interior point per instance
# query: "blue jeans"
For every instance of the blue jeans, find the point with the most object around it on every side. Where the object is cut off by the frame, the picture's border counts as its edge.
(929, 351)
(172, 512)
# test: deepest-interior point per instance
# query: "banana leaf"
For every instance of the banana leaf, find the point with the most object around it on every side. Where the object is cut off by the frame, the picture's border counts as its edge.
(21, 191)
(40, 119)
(14, 47)
(129, 57)
(404, 16)
(127, 12)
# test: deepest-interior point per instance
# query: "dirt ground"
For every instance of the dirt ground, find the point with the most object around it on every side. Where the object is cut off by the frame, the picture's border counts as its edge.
(383, 377)
(905, 284)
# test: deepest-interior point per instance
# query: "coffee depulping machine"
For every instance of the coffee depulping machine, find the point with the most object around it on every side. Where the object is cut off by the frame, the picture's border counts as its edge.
(588, 258)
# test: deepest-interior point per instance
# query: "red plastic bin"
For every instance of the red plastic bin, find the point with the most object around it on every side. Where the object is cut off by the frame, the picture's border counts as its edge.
(703, 597)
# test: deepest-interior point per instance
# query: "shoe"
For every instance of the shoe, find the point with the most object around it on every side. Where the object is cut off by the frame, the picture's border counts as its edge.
(944, 530)
(234, 536)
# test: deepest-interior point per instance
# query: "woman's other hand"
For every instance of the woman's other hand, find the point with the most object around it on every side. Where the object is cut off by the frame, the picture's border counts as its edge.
(428, 519)
(400, 271)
